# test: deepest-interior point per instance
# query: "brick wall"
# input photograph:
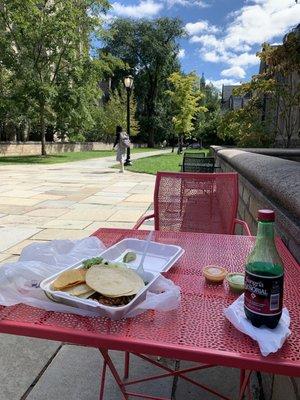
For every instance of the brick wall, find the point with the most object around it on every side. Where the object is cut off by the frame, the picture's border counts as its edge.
(266, 182)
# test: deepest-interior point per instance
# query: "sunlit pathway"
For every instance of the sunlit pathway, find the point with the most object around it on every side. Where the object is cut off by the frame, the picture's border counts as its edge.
(67, 201)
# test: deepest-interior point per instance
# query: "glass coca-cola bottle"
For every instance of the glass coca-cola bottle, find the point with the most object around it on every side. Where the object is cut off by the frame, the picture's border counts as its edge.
(264, 276)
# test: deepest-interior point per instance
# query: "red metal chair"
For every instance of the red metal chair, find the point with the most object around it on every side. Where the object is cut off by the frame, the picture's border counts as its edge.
(196, 202)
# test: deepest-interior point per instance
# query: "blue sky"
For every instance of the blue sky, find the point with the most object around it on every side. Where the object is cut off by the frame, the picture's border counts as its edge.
(223, 35)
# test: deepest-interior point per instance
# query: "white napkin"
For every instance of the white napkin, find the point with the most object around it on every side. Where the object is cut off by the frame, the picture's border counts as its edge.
(269, 340)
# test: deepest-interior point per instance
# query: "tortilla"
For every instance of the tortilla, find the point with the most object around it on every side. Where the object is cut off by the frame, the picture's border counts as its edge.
(69, 278)
(86, 295)
(78, 290)
(114, 281)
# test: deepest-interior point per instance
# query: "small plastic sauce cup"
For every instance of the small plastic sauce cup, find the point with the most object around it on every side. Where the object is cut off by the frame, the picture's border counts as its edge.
(214, 274)
(236, 281)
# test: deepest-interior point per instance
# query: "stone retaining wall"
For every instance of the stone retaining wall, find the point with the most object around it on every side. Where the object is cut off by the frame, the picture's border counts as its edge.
(34, 148)
(288, 154)
(266, 182)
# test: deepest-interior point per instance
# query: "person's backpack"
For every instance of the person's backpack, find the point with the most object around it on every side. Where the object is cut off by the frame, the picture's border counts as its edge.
(124, 140)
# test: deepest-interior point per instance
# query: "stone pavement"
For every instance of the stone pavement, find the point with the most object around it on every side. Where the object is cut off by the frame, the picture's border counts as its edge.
(67, 201)
(45, 202)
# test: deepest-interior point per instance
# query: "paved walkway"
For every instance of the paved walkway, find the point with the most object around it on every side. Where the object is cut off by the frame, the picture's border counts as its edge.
(67, 201)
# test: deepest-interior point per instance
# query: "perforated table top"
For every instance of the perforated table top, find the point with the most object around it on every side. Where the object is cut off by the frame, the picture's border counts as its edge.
(198, 330)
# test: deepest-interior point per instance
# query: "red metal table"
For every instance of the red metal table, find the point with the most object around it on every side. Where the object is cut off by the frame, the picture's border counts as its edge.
(197, 331)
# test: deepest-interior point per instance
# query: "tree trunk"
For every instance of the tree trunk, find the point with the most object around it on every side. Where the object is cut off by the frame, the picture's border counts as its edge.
(150, 106)
(150, 124)
(25, 131)
(43, 129)
(173, 143)
(151, 138)
(180, 144)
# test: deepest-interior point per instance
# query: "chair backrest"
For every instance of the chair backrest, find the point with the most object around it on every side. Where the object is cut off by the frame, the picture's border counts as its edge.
(197, 164)
(196, 202)
(199, 154)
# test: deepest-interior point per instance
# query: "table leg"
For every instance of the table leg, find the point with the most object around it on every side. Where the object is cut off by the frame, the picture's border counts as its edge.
(244, 383)
(175, 380)
(242, 378)
(126, 365)
(115, 373)
(103, 375)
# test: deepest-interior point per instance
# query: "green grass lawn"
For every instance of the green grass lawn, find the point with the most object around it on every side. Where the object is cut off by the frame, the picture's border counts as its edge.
(166, 162)
(64, 157)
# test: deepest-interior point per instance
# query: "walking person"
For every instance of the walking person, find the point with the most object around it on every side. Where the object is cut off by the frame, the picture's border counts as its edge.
(122, 142)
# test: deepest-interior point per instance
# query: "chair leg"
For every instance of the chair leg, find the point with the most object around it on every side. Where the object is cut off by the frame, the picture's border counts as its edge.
(126, 365)
(175, 380)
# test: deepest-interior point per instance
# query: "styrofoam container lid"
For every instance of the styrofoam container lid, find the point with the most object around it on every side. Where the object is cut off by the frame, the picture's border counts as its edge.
(159, 258)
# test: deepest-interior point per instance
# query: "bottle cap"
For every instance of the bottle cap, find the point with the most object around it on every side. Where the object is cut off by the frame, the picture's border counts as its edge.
(266, 215)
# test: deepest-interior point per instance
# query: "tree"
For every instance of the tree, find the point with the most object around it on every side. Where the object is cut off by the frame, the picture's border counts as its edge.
(244, 127)
(185, 98)
(206, 124)
(45, 47)
(150, 49)
(282, 74)
(273, 110)
(113, 113)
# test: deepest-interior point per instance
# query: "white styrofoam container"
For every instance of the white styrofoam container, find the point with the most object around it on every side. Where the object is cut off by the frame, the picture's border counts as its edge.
(159, 258)
(93, 305)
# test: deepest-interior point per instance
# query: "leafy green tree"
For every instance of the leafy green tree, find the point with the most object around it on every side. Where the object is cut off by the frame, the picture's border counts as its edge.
(185, 98)
(281, 77)
(244, 127)
(112, 113)
(150, 49)
(206, 124)
(273, 110)
(45, 46)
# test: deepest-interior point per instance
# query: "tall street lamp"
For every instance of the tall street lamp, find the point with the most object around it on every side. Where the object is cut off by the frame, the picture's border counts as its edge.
(128, 82)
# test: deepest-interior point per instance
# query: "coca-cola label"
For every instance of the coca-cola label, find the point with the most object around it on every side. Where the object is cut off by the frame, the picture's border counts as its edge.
(263, 294)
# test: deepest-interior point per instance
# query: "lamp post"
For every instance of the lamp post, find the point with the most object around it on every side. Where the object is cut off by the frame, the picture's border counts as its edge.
(128, 82)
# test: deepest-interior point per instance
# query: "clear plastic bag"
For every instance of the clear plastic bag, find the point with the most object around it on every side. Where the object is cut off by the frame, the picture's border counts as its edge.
(164, 296)
(19, 281)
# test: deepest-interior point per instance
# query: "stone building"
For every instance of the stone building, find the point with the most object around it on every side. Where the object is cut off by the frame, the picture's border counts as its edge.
(281, 113)
(282, 119)
(230, 101)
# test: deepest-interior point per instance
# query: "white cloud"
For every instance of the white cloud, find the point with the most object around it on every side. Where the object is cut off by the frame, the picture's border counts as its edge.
(244, 59)
(261, 21)
(188, 3)
(236, 72)
(211, 56)
(193, 28)
(181, 53)
(206, 40)
(220, 82)
(230, 58)
(251, 25)
(145, 9)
